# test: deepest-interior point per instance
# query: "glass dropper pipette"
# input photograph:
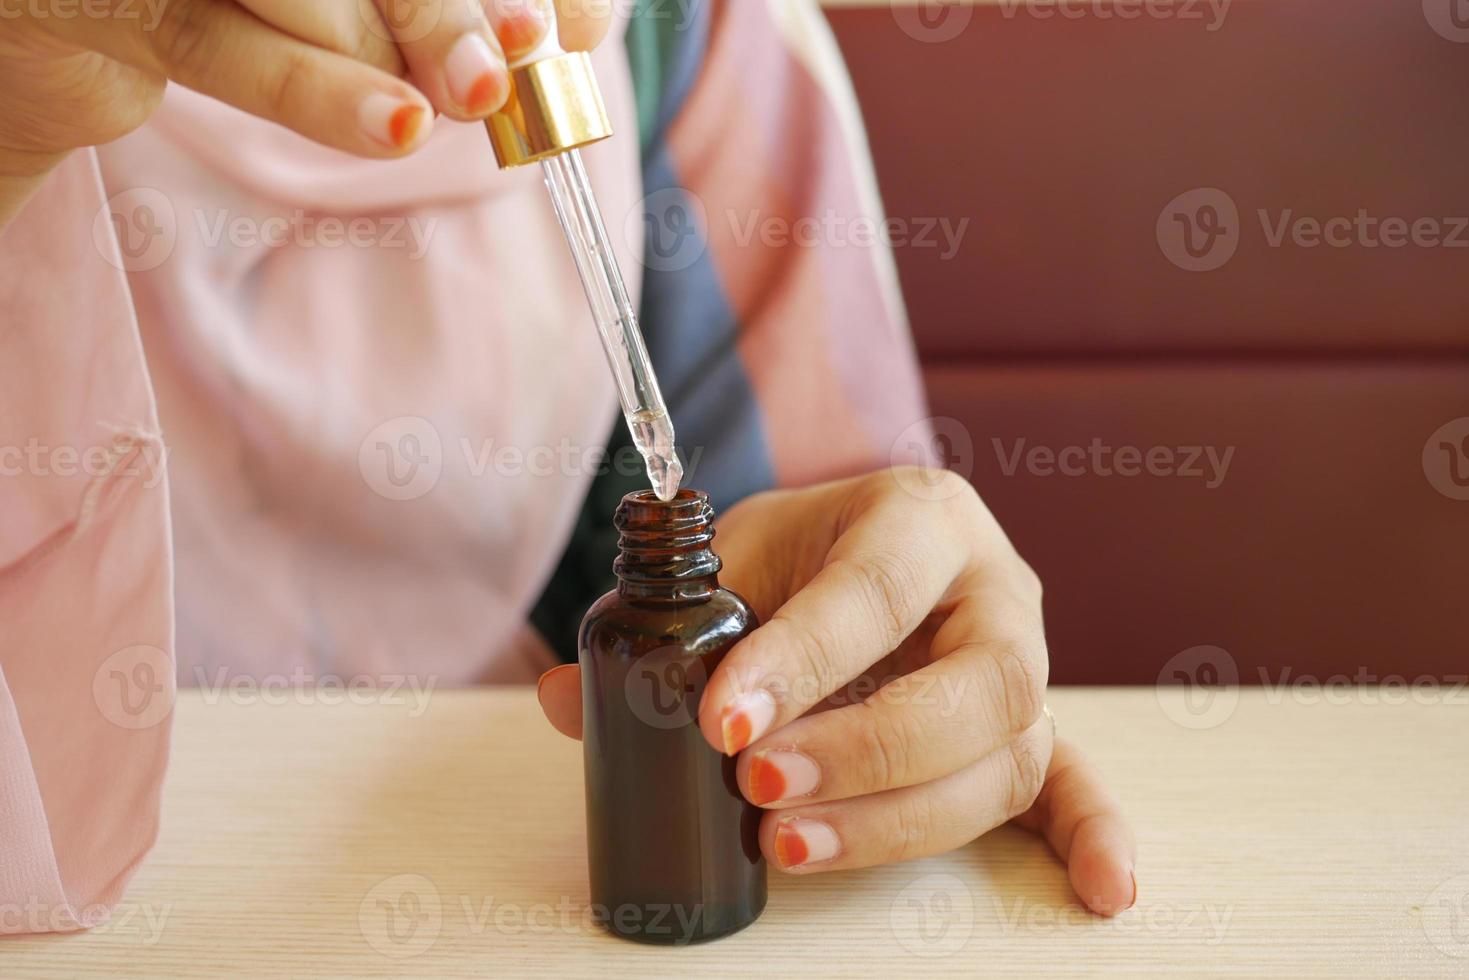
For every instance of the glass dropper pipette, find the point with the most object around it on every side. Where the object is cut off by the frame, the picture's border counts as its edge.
(554, 109)
(617, 320)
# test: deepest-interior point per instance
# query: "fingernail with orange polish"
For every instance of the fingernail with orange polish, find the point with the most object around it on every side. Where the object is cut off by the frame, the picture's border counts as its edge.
(745, 719)
(800, 842)
(477, 78)
(782, 775)
(389, 121)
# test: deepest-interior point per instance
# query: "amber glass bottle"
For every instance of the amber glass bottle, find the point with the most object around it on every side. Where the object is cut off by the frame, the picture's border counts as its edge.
(672, 845)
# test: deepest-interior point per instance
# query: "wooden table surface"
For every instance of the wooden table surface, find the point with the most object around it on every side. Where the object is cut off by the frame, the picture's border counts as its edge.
(444, 839)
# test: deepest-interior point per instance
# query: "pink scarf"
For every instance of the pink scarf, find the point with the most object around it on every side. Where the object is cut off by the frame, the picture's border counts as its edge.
(379, 386)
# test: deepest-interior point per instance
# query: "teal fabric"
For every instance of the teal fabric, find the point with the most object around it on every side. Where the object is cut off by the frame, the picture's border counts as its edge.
(649, 42)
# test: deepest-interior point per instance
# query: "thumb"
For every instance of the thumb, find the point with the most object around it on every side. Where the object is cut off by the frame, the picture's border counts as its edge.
(559, 691)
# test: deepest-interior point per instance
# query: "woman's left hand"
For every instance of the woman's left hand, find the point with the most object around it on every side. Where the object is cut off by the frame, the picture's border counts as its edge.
(891, 705)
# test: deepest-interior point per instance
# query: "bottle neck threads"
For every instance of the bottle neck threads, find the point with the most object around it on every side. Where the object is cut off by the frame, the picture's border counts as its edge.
(665, 551)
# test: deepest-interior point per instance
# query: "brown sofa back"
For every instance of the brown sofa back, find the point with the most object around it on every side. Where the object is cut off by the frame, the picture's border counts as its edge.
(1214, 393)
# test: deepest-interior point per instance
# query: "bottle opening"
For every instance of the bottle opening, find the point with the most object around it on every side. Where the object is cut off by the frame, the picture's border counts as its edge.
(649, 497)
(667, 543)
(646, 504)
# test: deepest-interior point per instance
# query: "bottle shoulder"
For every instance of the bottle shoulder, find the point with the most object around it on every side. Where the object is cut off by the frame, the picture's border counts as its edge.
(723, 614)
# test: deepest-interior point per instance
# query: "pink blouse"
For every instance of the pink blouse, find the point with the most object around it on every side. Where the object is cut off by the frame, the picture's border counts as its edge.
(267, 410)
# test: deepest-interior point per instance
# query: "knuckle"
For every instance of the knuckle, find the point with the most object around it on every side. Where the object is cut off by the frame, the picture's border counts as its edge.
(931, 476)
(964, 506)
(889, 588)
(872, 488)
(185, 38)
(149, 98)
(912, 820)
(943, 489)
(1022, 687)
(1028, 764)
(363, 43)
(884, 752)
(953, 487)
(1030, 580)
(131, 104)
(288, 82)
(817, 672)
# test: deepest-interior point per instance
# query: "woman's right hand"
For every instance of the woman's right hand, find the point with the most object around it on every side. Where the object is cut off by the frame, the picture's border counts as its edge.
(364, 76)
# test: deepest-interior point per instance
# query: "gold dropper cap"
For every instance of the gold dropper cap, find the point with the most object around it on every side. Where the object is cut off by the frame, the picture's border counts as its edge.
(555, 105)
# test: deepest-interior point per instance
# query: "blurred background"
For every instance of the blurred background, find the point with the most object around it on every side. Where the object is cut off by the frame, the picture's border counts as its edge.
(1199, 329)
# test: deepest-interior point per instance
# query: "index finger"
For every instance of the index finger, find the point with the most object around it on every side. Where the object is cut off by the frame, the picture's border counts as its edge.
(226, 51)
(891, 564)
